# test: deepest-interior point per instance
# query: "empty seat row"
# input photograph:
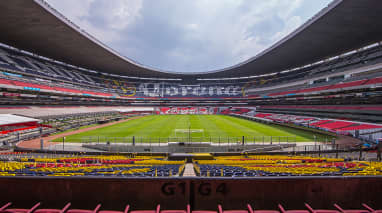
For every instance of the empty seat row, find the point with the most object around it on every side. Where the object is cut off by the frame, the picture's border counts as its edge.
(114, 165)
(8, 208)
(270, 166)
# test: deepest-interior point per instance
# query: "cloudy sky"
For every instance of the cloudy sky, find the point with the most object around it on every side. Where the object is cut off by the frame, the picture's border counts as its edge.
(189, 35)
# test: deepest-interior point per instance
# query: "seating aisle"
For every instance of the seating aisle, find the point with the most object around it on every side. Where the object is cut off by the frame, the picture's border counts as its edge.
(189, 170)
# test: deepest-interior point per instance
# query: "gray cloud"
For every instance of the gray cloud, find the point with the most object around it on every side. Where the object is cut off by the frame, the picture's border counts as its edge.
(195, 35)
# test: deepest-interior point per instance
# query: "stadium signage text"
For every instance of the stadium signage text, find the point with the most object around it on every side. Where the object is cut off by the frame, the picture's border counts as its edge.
(162, 90)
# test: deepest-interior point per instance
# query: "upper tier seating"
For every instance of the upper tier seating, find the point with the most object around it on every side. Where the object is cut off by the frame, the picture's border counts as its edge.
(375, 81)
(45, 87)
(324, 107)
(37, 67)
(359, 59)
(347, 85)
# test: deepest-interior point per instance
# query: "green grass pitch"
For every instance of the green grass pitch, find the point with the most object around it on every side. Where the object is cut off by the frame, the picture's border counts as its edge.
(209, 126)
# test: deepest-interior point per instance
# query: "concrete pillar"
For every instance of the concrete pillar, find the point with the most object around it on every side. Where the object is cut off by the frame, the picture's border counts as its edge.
(41, 144)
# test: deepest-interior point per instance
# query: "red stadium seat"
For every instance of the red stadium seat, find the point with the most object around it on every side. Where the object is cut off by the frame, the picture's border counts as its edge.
(5, 206)
(66, 207)
(248, 210)
(282, 209)
(375, 81)
(361, 127)
(351, 210)
(320, 122)
(188, 210)
(314, 89)
(266, 211)
(5, 81)
(371, 209)
(320, 210)
(147, 211)
(335, 125)
(261, 211)
(108, 211)
(349, 84)
(204, 211)
(85, 210)
(5, 209)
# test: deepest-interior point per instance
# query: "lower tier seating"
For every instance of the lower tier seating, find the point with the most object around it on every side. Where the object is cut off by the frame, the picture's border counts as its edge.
(273, 165)
(120, 166)
(332, 125)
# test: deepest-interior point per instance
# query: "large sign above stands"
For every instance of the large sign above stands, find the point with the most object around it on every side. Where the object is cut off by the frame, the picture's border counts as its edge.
(186, 110)
(205, 110)
(166, 90)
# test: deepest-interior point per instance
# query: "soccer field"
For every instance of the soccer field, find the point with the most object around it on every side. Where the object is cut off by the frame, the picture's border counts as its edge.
(203, 128)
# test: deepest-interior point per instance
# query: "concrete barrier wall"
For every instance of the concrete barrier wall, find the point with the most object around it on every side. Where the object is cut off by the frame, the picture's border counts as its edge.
(189, 148)
(200, 193)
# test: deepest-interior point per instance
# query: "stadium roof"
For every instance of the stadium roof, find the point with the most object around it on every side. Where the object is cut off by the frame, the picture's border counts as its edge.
(9, 119)
(343, 26)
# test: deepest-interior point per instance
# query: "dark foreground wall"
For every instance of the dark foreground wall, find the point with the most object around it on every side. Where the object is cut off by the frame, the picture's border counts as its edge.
(201, 193)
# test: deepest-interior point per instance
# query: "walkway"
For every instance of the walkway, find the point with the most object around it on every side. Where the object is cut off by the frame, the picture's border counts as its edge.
(189, 170)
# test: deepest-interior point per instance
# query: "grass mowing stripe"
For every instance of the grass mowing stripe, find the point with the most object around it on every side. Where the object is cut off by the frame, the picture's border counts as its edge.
(149, 129)
(276, 130)
(250, 128)
(259, 128)
(214, 127)
(231, 129)
(280, 130)
(109, 131)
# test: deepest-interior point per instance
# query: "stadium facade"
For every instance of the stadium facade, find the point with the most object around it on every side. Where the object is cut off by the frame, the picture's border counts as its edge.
(75, 66)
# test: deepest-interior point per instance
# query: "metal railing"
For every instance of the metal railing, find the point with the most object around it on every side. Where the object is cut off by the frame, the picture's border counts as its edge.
(13, 138)
(240, 140)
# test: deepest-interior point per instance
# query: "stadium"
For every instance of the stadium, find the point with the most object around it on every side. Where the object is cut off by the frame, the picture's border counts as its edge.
(85, 129)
